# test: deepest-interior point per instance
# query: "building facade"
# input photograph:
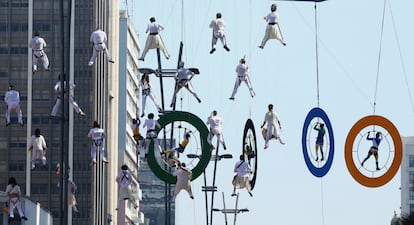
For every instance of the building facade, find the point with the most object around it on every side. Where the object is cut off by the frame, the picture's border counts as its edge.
(407, 176)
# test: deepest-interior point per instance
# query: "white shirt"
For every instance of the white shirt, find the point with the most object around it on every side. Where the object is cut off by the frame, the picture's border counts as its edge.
(184, 74)
(37, 43)
(154, 27)
(215, 123)
(98, 37)
(217, 25)
(242, 70)
(242, 168)
(183, 176)
(96, 133)
(144, 84)
(150, 124)
(272, 17)
(271, 118)
(12, 97)
(38, 143)
(124, 178)
(13, 190)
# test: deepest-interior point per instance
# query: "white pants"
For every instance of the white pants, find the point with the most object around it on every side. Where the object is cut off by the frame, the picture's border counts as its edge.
(75, 105)
(218, 133)
(180, 84)
(97, 145)
(179, 187)
(97, 48)
(242, 182)
(144, 101)
(15, 203)
(38, 154)
(16, 108)
(273, 131)
(40, 54)
(218, 35)
(272, 32)
(156, 143)
(154, 41)
(239, 80)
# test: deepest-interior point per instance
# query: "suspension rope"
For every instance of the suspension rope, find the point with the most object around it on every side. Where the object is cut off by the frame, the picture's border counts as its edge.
(401, 58)
(316, 55)
(322, 205)
(379, 58)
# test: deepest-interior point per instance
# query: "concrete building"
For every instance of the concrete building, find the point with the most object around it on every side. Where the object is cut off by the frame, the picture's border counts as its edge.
(407, 176)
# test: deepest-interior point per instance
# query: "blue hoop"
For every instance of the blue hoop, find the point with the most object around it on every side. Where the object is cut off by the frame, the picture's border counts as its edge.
(318, 171)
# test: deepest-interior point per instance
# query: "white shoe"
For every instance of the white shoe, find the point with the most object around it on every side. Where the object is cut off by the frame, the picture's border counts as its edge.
(90, 63)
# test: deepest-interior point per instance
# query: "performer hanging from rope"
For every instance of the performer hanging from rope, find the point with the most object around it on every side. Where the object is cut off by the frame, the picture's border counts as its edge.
(38, 147)
(58, 88)
(182, 79)
(98, 38)
(124, 180)
(13, 192)
(146, 88)
(72, 188)
(97, 135)
(183, 179)
(37, 44)
(151, 125)
(135, 130)
(272, 28)
(154, 39)
(274, 127)
(218, 33)
(374, 148)
(242, 71)
(216, 124)
(181, 146)
(241, 179)
(319, 139)
(12, 99)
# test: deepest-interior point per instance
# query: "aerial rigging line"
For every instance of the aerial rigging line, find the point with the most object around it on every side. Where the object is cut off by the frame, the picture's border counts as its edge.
(379, 57)
(401, 58)
(316, 55)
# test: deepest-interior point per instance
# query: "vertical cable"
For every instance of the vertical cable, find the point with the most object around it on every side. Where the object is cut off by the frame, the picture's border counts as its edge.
(316, 55)
(379, 58)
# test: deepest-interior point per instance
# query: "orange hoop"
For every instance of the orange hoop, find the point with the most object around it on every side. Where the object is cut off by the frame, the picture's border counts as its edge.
(396, 138)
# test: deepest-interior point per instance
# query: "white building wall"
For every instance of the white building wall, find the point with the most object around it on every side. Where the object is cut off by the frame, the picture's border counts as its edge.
(407, 176)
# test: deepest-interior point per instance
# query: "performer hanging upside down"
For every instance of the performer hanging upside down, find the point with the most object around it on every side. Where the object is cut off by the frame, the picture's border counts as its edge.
(154, 39)
(374, 148)
(242, 71)
(272, 28)
(182, 79)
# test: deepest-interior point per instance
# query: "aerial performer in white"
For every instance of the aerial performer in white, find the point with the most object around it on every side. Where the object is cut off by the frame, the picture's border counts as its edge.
(272, 28)
(154, 39)
(151, 124)
(273, 128)
(182, 79)
(12, 99)
(242, 71)
(14, 193)
(38, 147)
(58, 89)
(146, 88)
(37, 44)
(124, 180)
(97, 135)
(241, 179)
(218, 33)
(98, 38)
(183, 179)
(216, 124)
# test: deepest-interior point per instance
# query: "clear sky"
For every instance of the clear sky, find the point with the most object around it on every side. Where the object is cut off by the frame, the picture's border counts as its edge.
(349, 37)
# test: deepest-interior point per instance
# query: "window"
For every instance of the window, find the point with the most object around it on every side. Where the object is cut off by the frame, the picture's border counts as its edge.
(411, 208)
(411, 160)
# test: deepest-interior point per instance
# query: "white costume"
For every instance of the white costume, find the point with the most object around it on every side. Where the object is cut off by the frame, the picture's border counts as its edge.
(242, 71)
(272, 29)
(215, 123)
(12, 99)
(124, 180)
(97, 136)
(183, 181)
(58, 89)
(154, 40)
(37, 44)
(151, 125)
(72, 188)
(14, 193)
(98, 38)
(273, 128)
(218, 33)
(183, 78)
(243, 171)
(146, 89)
(38, 147)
